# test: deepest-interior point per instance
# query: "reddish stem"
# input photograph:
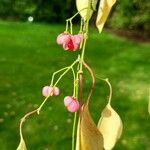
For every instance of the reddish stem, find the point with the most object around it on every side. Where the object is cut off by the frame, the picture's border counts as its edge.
(81, 88)
(93, 80)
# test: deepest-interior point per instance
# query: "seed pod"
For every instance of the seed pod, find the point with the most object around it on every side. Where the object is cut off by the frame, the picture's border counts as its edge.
(47, 90)
(50, 90)
(62, 38)
(71, 103)
(56, 91)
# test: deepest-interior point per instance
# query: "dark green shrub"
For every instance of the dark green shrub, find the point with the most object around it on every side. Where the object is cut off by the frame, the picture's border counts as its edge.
(133, 14)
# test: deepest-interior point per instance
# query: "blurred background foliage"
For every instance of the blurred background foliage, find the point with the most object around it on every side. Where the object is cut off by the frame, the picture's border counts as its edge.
(131, 14)
(42, 10)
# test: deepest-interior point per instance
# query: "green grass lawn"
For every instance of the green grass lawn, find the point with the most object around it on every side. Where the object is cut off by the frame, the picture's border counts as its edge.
(28, 57)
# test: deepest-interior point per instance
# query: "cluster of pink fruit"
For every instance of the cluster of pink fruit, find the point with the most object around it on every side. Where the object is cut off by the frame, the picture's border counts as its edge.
(69, 41)
(71, 103)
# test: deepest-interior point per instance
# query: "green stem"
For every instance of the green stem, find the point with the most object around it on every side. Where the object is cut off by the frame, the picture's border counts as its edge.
(77, 81)
(60, 77)
(40, 107)
(70, 21)
(66, 26)
(74, 130)
(23, 120)
(71, 26)
(76, 14)
(110, 89)
(53, 76)
(86, 26)
(79, 74)
(82, 55)
(75, 115)
(66, 71)
(74, 82)
(81, 25)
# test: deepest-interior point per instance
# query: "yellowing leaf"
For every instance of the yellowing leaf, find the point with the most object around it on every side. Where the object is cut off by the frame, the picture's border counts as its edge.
(110, 125)
(103, 12)
(82, 7)
(22, 145)
(88, 136)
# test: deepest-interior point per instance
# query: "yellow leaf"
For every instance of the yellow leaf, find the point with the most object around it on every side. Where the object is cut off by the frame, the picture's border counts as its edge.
(22, 145)
(88, 136)
(103, 12)
(83, 8)
(110, 125)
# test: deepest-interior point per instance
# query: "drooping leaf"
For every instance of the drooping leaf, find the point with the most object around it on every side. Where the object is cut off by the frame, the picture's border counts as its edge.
(110, 125)
(22, 145)
(82, 7)
(103, 12)
(88, 136)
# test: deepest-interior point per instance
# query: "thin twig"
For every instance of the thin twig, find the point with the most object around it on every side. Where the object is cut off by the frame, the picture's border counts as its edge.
(23, 120)
(110, 88)
(81, 88)
(93, 80)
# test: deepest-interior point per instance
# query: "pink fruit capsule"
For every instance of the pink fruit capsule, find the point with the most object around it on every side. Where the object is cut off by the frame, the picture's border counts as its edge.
(62, 38)
(76, 39)
(53, 91)
(68, 45)
(67, 100)
(47, 90)
(74, 106)
(56, 91)
(71, 103)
